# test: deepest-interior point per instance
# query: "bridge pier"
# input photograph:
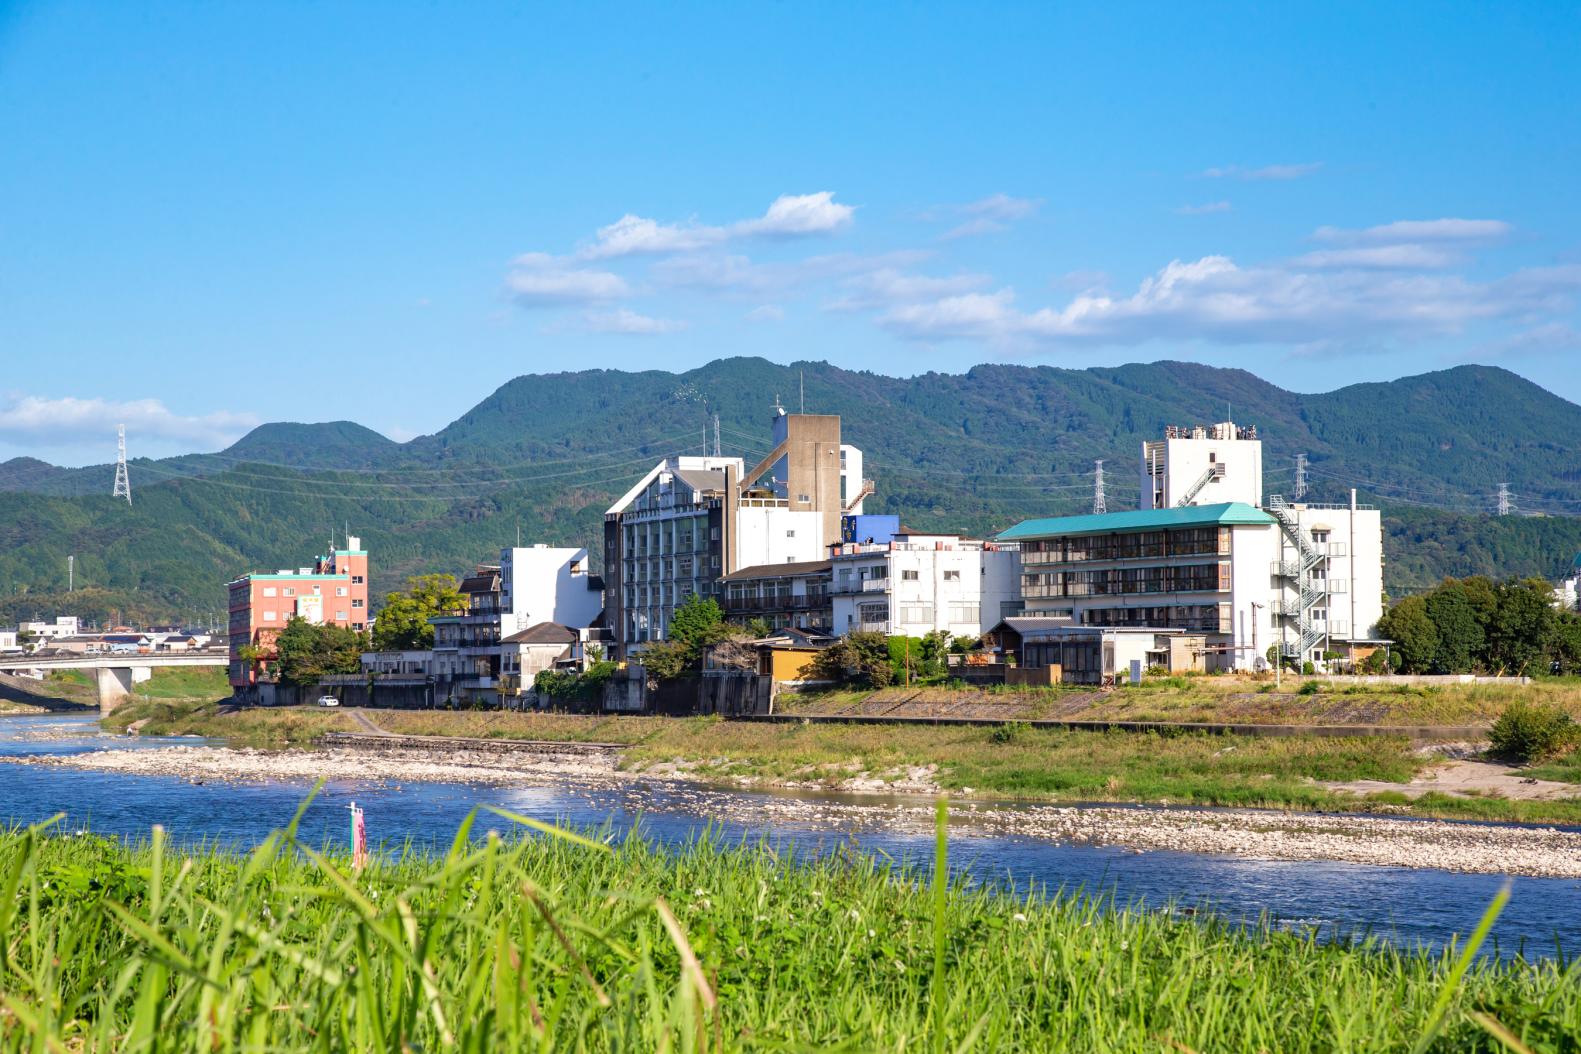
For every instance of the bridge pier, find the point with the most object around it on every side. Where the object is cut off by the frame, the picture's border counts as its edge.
(116, 683)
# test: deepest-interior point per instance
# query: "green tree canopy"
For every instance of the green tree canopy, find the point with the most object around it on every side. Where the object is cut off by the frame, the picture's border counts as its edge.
(1521, 629)
(1460, 636)
(1415, 638)
(403, 623)
(693, 620)
(306, 651)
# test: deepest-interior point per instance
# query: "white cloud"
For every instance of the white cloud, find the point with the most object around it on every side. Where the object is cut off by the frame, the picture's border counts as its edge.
(1266, 172)
(635, 234)
(796, 215)
(1213, 299)
(1204, 209)
(1382, 257)
(985, 216)
(766, 313)
(734, 273)
(624, 320)
(1417, 231)
(540, 280)
(887, 285)
(32, 420)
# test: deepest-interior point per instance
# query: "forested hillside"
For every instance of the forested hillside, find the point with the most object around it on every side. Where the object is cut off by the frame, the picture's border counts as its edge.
(972, 452)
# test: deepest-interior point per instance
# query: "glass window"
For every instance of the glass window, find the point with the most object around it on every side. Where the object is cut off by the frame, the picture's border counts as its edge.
(907, 576)
(952, 576)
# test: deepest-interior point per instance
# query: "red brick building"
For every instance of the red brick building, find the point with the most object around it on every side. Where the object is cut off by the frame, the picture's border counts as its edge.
(334, 591)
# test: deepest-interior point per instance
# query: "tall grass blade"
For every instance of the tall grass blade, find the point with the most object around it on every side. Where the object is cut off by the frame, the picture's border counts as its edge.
(1435, 1020)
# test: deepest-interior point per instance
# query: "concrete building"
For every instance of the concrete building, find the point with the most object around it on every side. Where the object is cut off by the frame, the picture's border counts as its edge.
(1567, 594)
(788, 595)
(41, 632)
(8, 640)
(333, 591)
(1071, 654)
(1208, 553)
(690, 521)
(543, 583)
(1202, 465)
(921, 583)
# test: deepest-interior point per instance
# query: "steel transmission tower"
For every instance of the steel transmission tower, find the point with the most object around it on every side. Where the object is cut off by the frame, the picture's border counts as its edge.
(123, 484)
(1098, 505)
(716, 435)
(1506, 503)
(1301, 476)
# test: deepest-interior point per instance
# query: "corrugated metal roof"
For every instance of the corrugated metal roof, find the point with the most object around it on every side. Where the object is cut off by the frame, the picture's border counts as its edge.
(702, 479)
(785, 570)
(1229, 513)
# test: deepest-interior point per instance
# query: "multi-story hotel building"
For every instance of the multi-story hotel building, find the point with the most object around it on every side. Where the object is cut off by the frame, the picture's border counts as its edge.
(691, 521)
(334, 591)
(917, 584)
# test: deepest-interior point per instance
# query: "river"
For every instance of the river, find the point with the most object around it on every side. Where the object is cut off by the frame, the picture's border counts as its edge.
(1403, 905)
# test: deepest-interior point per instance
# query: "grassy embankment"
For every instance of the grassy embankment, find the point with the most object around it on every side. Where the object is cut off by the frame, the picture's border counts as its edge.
(61, 690)
(1012, 761)
(550, 942)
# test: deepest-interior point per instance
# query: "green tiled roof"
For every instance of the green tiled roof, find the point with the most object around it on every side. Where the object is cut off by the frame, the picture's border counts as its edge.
(1229, 513)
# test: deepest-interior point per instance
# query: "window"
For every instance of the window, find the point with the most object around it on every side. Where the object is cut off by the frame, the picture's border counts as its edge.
(341, 616)
(916, 613)
(952, 576)
(1213, 458)
(908, 576)
(961, 614)
(340, 591)
(804, 498)
(790, 534)
(268, 616)
(270, 591)
(288, 592)
(356, 603)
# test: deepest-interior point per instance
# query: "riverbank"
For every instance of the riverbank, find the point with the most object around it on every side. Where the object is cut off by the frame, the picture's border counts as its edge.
(897, 806)
(1312, 773)
(519, 943)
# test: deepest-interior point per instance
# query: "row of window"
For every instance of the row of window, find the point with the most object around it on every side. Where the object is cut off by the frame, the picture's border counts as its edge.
(1187, 578)
(1187, 541)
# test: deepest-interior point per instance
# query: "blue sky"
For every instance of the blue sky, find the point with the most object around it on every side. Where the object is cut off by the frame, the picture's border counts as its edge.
(220, 214)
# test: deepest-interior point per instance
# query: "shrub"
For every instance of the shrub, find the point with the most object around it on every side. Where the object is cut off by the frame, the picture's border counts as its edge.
(1307, 669)
(1009, 732)
(1530, 731)
(1309, 687)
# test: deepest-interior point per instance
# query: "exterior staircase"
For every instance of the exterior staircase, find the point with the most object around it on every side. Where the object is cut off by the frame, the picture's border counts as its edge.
(1298, 570)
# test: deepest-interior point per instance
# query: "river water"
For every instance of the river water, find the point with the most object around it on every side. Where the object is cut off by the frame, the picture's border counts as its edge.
(1407, 906)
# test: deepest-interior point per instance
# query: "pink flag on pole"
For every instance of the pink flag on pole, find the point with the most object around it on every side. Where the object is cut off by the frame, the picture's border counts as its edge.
(359, 839)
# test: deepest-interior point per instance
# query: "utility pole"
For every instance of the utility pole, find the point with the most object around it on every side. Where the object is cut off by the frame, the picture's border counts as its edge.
(1098, 503)
(1301, 476)
(123, 485)
(1506, 504)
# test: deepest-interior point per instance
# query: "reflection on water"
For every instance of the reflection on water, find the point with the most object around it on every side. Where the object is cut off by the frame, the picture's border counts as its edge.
(1402, 904)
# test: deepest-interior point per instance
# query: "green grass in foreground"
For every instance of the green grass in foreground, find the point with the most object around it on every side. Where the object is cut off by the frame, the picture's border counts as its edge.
(185, 682)
(563, 943)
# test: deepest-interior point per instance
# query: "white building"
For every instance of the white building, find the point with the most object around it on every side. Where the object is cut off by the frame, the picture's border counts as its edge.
(690, 521)
(63, 626)
(1202, 465)
(1207, 553)
(920, 583)
(541, 583)
(8, 640)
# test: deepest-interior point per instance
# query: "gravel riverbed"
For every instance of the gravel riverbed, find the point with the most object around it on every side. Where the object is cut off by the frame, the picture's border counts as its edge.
(1381, 841)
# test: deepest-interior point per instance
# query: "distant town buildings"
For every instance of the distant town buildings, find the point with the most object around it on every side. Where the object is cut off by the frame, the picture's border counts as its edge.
(333, 591)
(919, 583)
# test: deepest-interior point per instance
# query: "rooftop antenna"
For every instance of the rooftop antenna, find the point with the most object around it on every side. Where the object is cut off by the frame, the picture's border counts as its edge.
(1099, 506)
(803, 391)
(123, 485)
(1301, 476)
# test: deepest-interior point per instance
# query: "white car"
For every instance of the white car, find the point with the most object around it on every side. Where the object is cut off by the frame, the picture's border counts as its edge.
(328, 700)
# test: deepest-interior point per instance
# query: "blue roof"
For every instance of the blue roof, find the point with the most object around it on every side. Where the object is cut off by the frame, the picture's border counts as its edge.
(1229, 514)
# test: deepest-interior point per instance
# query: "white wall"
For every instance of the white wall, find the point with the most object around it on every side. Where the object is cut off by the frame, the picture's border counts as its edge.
(966, 605)
(851, 476)
(777, 536)
(1185, 460)
(1355, 548)
(1253, 551)
(546, 584)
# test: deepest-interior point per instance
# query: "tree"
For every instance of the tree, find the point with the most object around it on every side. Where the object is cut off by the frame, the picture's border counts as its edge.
(1566, 641)
(692, 621)
(403, 623)
(665, 660)
(1460, 638)
(1522, 624)
(306, 652)
(859, 657)
(1415, 638)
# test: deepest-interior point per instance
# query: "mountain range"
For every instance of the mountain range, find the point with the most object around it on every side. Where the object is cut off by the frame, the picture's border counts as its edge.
(974, 452)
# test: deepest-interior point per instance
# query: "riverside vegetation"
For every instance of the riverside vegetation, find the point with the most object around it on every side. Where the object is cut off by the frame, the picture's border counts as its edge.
(568, 942)
(1014, 761)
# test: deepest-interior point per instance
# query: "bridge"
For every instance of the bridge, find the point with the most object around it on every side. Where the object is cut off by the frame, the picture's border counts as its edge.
(116, 674)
